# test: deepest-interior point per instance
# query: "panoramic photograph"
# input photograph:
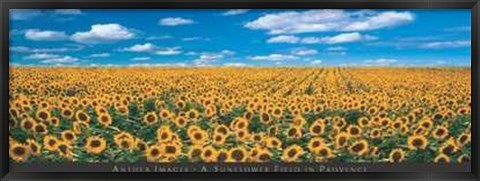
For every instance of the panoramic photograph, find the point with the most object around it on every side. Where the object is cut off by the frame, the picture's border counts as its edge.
(240, 86)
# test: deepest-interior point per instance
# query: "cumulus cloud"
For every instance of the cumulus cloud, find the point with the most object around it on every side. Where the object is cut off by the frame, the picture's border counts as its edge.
(304, 51)
(53, 58)
(206, 58)
(380, 62)
(235, 64)
(341, 38)
(68, 11)
(175, 21)
(284, 39)
(100, 55)
(99, 33)
(146, 47)
(316, 62)
(234, 12)
(24, 14)
(158, 65)
(274, 57)
(446, 44)
(169, 51)
(47, 35)
(337, 50)
(23, 49)
(294, 22)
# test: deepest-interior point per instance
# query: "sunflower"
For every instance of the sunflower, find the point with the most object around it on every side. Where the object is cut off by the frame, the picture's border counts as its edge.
(449, 148)
(180, 121)
(264, 156)
(105, 119)
(164, 134)
(170, 150)
(28, 124)
(218, 139)
(265, 118)
(396, 155)
(153, 153)
(341, 139)
(324, 153)
(82, 116)
(19, 152)
(68, 136)
(363, 122)
(180, 104)
(222, 156)
(463, 139)
(165, 114)
(67, 113)
(222, 129)
(273, 142)
(42, 115)
(95, 145)
(354, 131)
(64, 150)
(417, 142)
(50, 143)
(315, 144)
(209, 154)
(80, 127)
(292, 153)
(317, 128)
(194, 153)
(242, 135)
(54, 121)
(442, 158)
(192, 114)
(294, 132)
(277, 112)
(198, 137)
(40, 128)
(237, 155)
(35, 148)
(150, 118)
(359, 148)
(376, 133)
(298, 121)
(427, 124)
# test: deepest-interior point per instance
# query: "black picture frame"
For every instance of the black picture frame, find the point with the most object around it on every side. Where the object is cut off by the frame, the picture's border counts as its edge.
(474, 5)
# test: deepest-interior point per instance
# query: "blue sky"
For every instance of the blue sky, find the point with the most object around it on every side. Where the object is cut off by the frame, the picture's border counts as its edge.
(240, 37)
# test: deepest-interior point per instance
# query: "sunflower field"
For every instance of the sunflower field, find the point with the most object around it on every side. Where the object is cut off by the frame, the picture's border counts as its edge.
(235, 115)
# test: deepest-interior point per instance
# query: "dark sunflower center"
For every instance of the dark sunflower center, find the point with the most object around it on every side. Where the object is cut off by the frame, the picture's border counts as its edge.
(95, 143)
(150, 118)
(43, 115)
(396, 156)
(154, 152)
(170, 149)
(82, 117)
(292, 153)
(19, 151)
(358, 147)
(237, 155)
(39, 129)
(265, 117)
(63, 148)
(222, 157)
(317, 129)
(417, 143)
(52, 142)
(264, 157)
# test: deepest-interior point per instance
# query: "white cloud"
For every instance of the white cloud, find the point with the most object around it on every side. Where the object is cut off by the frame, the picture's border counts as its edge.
(68, 11)
(283, 39)
(23, 49)
(158, 65)
(235, 64)
(293, 22)
(141, 58)
(341, 38)
(337, 48)
(24, 14)
(99, 33)
(169, 51)
(446, 44)
(100, 55)
(274, 57)
(380, 62)
(316, 62)
(64, 59)
(234, 12)
(459, 28)
(206, 58)
(304, 51)
(146, 47)
(175, 21)
(42, 56)
(39, 35)
(52, 58)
